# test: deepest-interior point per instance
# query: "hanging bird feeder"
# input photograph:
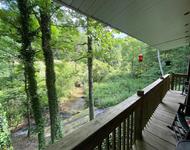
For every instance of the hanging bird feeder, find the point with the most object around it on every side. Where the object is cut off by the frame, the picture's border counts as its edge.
(140, 58)
(167, 62)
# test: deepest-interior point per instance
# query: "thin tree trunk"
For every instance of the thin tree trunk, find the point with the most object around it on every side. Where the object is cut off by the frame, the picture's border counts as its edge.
(27, 54)
(90, 73)
(50, 76)
(27, 103)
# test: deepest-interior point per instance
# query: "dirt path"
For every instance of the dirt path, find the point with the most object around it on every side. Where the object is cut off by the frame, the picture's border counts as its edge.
(74, 114)
(75, 102)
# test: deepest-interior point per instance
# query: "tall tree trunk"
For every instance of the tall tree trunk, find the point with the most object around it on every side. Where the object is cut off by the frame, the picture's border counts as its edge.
(36, 106)
(90, 73)
(50, 75)
(27, 103)
(27, 54)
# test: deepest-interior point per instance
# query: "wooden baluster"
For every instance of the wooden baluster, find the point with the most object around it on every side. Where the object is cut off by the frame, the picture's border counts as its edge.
(151, 107)
(119, 137)
(184, 79)
(144, 114)
(179, 83)
(124, 134)
(100, 146)
(182, 83)
(138, 122)
(108, 143)
(128, 132)
(148, 111)
(181, 86)
(175, 83)
(131, 136)
(114, 139)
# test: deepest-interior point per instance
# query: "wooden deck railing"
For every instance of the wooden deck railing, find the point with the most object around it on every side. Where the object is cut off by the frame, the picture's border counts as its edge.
(178, 81)
(120, 127)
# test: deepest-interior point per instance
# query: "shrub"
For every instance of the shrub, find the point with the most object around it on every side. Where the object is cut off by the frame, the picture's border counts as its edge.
(100, 70)
(116, 87)
(5, 142)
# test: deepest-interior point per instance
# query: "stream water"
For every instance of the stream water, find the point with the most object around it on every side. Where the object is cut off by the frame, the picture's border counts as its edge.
(77, 107)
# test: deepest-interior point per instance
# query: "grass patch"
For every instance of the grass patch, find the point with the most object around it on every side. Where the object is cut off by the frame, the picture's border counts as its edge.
(115, 88)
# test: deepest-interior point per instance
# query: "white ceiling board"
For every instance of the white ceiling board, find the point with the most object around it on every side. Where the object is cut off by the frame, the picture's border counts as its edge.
(77, 3)
(154, 22)
(170, 45)
(86, 5)
(97, 6)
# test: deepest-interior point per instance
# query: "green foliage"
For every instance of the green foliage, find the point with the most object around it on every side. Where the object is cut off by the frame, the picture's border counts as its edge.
(65, 80)
(100, 70)
(131, 49)
(150, 70)
(12, 93)
(116, 87)
(177, 65)
(5, 142)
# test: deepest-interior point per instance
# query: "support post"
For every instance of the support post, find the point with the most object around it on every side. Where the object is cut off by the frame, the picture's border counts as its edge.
(159, 61)
(139, 118)
(188, 94)
(188, 101)
(138, 123)
(188, 72)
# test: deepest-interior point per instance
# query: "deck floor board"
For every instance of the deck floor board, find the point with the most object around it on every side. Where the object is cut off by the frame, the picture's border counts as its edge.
(156, 135)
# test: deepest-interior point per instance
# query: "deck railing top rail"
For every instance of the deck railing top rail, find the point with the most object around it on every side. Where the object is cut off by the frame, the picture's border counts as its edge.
(120, 126)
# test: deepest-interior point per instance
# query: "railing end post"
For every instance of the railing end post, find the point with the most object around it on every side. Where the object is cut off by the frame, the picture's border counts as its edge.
(138, 122)
(172, 81)
(140, 93)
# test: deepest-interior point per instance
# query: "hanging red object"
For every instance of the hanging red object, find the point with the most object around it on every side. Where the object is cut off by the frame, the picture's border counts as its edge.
(140, 58)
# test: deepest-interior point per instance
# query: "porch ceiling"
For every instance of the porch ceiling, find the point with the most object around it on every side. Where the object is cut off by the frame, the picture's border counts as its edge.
(159, 23)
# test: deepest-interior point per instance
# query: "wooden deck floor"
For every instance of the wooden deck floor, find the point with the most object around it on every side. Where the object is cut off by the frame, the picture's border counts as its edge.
(156, 135)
